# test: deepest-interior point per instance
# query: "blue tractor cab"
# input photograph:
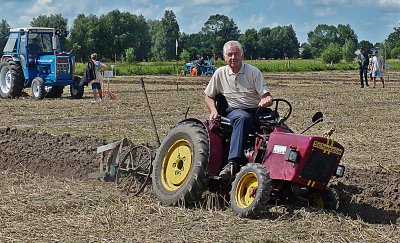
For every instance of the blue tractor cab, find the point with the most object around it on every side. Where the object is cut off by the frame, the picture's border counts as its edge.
(34, 57)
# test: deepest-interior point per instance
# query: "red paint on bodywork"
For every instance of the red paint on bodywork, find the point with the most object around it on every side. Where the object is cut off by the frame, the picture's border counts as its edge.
(280, 169)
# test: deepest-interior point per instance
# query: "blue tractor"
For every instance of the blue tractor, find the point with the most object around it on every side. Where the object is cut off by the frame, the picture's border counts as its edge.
(199, 68)
(34, 57)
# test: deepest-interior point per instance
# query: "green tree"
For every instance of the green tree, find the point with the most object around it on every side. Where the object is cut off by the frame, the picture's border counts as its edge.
(393, 40)
(250, 42)
(348, 50)
(264, 42)
(332, 53)
(164, 34)
(346, 33)
(217, 30)
(284, 42)
(158, 39)
(56, 21)
(395, 53)
(171, 28)
(321, 37)
(193, 52)
(84, 34)
(366, 45)
(123, 30)
(307, 51)
(4, 31)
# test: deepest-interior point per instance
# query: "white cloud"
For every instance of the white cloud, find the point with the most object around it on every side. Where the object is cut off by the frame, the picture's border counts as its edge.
(389, 3)
(214, 2)
(253, 21)
(323, 12)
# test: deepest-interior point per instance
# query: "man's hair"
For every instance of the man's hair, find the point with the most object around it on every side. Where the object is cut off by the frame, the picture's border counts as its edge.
(362, 49)
(232, 43)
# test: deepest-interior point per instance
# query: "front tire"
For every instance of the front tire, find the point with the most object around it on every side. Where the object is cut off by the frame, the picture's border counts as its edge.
(11, 79)
(180, 166)
(250, 190)
(38, 89)
(76, 89)
(325, 199)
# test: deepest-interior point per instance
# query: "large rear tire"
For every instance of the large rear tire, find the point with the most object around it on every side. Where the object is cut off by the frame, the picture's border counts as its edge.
(180, 166)
(38, 89)
(76, 89)
(11, 79)
(250, 190)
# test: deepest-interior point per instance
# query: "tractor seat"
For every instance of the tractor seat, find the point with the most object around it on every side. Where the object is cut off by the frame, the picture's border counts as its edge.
(221, 104)
(32, 60)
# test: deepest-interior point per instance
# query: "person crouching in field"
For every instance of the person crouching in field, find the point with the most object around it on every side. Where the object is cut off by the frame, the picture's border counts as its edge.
(96, 83)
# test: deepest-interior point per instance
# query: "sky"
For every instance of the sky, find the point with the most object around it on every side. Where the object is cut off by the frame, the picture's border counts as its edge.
(372, 20)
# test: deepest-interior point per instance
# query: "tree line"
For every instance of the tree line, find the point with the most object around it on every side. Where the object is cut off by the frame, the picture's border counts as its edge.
(124, 36)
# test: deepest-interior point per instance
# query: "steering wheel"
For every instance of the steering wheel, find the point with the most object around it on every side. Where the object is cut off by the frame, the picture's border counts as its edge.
(288, 109)
(275, 117)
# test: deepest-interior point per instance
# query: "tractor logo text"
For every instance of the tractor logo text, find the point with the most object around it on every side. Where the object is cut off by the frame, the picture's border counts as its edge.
(327, 148)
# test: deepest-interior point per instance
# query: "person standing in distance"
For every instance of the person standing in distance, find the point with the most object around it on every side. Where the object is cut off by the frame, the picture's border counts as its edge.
(377, 68)
(363, 62)
(96, 83)
(245, 90)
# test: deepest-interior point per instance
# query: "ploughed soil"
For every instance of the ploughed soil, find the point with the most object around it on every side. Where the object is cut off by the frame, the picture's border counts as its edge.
(50, 145)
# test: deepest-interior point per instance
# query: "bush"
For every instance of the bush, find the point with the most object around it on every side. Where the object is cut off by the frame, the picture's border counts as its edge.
(185, 56)
(348, 51)
(332, 54)
(395, 53)
(130, 55)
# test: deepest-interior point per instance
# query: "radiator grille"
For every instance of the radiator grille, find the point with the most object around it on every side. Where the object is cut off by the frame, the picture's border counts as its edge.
(319, 167)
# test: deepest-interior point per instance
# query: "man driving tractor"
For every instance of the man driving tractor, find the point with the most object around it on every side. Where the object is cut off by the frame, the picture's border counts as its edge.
(245, 90)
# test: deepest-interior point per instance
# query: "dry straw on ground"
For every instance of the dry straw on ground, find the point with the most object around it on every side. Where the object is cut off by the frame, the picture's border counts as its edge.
(44, 195)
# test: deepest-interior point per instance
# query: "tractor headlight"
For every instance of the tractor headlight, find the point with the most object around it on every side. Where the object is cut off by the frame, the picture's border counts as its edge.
(340, 171)
(292, 155)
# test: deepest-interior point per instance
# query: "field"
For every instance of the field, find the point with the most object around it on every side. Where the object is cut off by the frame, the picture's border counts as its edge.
(48, 147)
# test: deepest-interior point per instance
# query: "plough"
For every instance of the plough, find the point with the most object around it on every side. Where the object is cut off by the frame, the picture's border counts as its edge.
(128, 165)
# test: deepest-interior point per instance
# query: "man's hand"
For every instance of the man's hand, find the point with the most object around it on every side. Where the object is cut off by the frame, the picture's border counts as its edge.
(213, 115)
(210, 103)
(266, 101)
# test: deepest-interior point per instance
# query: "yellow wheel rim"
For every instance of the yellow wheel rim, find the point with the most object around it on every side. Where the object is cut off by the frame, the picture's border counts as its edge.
(246, 190)
(318, 201)
(176, 165)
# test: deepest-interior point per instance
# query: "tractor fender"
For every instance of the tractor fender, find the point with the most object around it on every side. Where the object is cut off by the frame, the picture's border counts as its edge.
(13, 57)
(215, 157)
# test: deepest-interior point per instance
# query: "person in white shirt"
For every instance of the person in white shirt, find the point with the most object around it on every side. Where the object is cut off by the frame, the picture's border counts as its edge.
(377, 68)
(245, 89)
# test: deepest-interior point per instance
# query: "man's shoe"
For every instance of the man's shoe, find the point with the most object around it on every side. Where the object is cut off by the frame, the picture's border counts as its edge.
(362, 86)
(228, 171)
(367, 85)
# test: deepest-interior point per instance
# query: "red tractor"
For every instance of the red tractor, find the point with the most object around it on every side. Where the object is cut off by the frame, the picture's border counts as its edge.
(280, 163)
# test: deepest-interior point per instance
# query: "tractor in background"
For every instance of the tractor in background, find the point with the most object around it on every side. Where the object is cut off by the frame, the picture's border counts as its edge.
(35, 57)
(199, 68)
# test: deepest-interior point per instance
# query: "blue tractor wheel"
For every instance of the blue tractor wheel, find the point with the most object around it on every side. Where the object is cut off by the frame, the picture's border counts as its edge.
(11, 79)
(76, 89)
(38, 89)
